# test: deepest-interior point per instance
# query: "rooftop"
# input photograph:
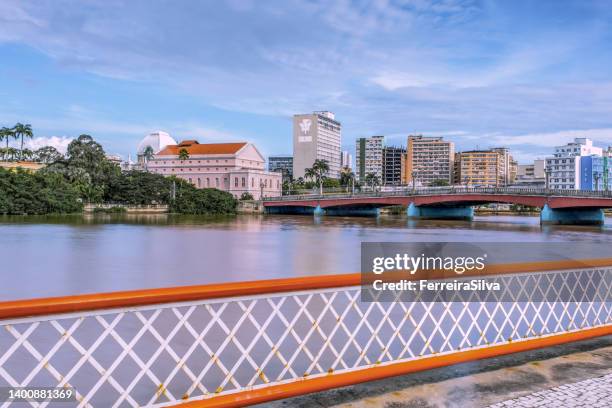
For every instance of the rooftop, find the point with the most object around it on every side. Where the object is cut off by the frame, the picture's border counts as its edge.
(194, 148)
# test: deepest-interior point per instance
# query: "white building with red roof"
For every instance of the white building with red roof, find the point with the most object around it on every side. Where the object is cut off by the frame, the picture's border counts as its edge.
(233, 167)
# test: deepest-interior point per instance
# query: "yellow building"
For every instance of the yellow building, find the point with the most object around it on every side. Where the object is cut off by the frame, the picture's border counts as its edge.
(428, 159)
(485, 168)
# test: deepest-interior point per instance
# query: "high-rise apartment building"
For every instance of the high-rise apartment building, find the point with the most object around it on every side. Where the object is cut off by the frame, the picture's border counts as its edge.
(394, 160)
(346, 160)
(428, 159)
(282, 164)
(564, 166)
(316, 136)
(485, 168)
(510, 165)
(369, 157)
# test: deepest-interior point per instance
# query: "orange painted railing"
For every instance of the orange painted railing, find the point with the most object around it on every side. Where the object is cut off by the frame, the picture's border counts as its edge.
(243, 343)
(97, 301)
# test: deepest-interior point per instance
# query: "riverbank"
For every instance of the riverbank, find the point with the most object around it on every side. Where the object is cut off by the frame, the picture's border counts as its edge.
(123, 208)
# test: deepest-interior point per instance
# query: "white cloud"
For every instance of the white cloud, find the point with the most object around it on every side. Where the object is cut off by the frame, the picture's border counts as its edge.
(59, 142)
(552, 139)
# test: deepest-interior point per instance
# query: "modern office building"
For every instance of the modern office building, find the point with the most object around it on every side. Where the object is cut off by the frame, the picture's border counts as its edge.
(233, 167)
(428, 159)
(346, 160)
(484, 168)
(563, 167)
(316, 136)
(394, 160)
(369, 157)
(282, 164)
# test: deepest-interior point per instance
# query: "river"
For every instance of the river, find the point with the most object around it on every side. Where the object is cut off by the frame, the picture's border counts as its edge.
(55, 256)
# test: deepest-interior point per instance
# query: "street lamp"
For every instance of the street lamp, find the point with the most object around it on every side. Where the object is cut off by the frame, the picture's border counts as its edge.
(261, 188)
(414, 174)
(596, 175)
(547, 173)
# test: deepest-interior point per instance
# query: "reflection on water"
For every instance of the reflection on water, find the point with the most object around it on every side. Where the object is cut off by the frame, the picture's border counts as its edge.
(52, 256)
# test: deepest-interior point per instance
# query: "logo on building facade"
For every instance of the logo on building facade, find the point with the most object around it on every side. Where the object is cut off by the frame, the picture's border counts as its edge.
(305, 125)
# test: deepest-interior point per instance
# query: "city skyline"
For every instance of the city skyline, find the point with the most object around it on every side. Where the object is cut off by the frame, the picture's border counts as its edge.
(522, 75)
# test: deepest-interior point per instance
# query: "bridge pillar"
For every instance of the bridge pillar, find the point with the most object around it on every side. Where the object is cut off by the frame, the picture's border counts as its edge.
(572, 216)
(357, 211)
(440, 212)
(291, 210)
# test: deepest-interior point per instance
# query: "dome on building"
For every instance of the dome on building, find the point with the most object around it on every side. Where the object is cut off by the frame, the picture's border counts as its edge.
(157, 140)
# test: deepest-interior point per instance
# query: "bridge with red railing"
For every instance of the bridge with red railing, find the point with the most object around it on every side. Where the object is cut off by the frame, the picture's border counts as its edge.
(558, 206)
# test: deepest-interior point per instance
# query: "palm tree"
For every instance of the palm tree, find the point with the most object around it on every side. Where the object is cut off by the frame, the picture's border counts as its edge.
(11, 153)
(6, 134)
(317, 172)
(372, 179)
(20, 131)
(183, 154)
(147, 155)
(346, 177)
(26, 154)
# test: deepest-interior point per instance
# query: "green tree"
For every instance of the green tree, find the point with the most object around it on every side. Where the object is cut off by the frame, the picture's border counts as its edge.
(372, 180)
(183, 154)
(347, 177)
(439, 183)
(87, 167)
(47, 155)
(207, 201)
(24, 192)
(147, 155)
(22, 131)
(6, 134)
(246, 196)
(26, 154)
(317, 172)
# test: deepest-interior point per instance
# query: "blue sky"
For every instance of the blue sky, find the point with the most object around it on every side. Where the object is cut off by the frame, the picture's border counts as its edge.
(525, 74)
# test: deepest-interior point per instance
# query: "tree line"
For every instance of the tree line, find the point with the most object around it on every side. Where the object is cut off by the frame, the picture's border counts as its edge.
(85, 175)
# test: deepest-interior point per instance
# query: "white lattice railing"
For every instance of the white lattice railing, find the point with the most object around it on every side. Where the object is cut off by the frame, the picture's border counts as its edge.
(167, 353)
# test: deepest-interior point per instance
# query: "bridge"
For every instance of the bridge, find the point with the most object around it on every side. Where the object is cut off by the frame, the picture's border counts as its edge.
(568, 207)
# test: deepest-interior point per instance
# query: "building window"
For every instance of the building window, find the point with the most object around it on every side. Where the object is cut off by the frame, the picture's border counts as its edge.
(199, 182)
(235, 181)
(252, 182)
(190, 181)
(243, 182)
(265, 183)
(217, 182)
(207, 182)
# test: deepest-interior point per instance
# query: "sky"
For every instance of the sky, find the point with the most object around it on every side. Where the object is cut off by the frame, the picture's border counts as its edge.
(528, 75)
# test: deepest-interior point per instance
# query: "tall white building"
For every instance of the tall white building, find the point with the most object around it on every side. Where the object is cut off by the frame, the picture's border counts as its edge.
(369, 157)
(564, 167)
(346, 160)
(316, 136)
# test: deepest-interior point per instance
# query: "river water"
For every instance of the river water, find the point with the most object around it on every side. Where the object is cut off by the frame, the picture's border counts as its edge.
(55, 256)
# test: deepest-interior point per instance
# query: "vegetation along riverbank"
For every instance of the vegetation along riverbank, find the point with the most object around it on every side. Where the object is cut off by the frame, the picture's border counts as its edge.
(84, 175)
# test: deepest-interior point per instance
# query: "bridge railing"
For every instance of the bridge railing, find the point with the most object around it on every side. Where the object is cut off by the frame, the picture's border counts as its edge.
(408, 191)
(251, 342)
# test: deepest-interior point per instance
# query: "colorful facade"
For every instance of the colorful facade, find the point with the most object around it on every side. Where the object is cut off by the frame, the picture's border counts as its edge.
(233, 167)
